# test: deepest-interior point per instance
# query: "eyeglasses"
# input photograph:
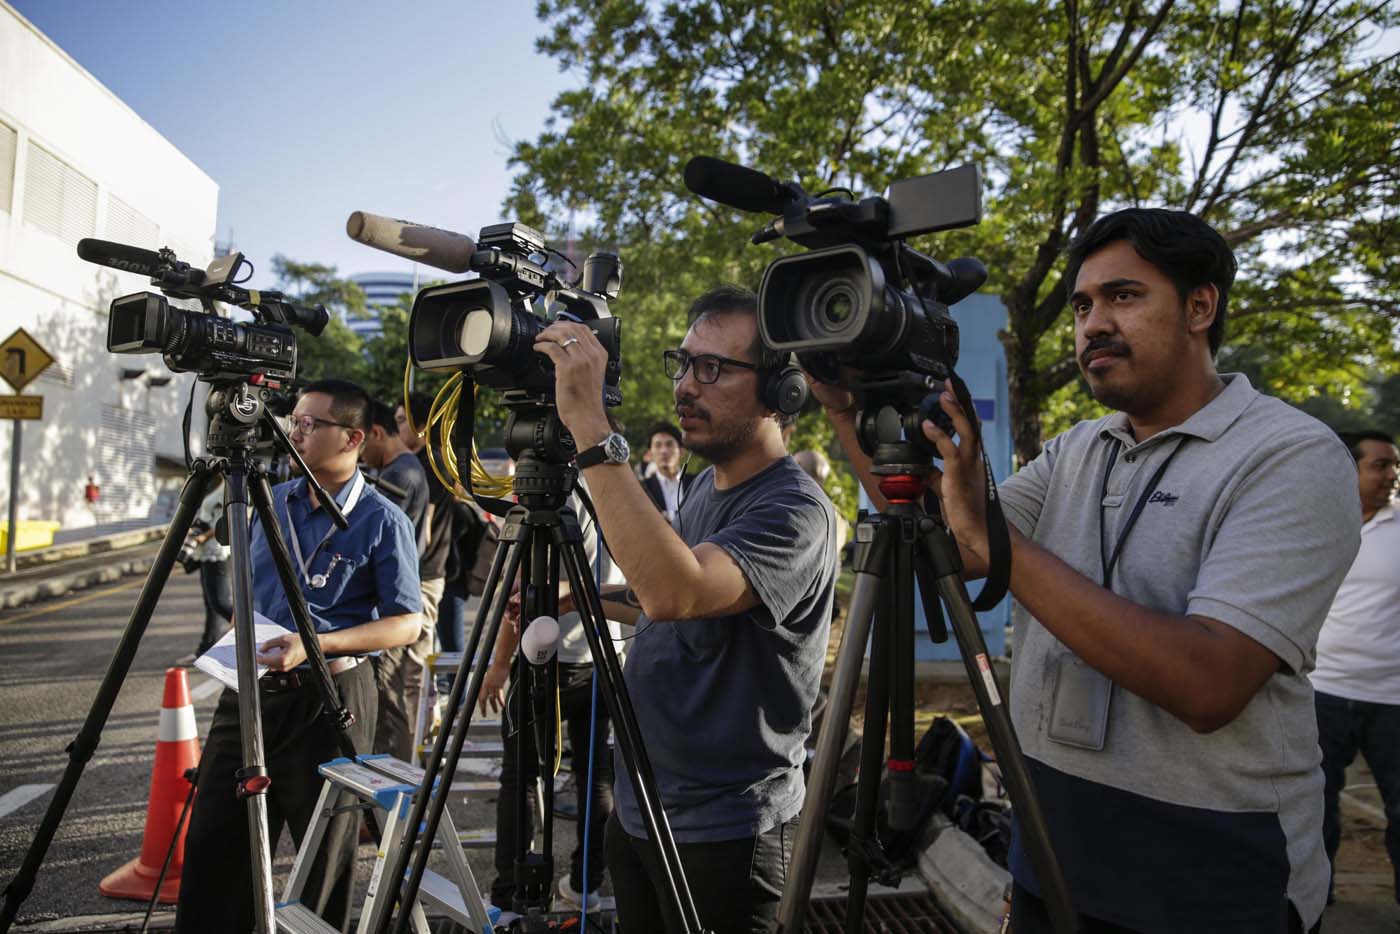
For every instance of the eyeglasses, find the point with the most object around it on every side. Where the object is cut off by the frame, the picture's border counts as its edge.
(307, 424)
(708, 366)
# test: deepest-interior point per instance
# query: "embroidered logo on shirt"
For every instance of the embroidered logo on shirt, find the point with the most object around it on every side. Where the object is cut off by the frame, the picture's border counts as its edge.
(1166, 499)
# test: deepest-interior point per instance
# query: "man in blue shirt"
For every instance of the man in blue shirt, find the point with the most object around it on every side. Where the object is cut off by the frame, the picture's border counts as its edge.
(361, 586)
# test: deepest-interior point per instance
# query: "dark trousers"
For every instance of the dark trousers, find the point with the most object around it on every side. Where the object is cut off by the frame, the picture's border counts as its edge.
(1029, 916)
(218, 602)
(736, 884)
(452, 617)
(1344, 728)
(216, 888)
(575, 704)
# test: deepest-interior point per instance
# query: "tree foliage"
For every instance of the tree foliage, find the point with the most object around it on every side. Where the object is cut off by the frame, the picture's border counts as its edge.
(1273, 119)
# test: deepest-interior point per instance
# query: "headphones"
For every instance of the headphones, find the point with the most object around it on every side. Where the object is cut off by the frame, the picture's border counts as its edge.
(783, 390)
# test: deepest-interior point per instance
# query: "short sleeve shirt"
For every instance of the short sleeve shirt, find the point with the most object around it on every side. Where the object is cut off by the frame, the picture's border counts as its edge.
(1253, 523)
(370, 569)
(406, 473)
(725, 704)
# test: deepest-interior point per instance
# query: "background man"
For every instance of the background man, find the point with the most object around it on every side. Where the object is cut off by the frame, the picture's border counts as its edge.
(399, 671)
(735, 612)
(361, 585)
(669, 483)
(1171, 564)
(1357, 678)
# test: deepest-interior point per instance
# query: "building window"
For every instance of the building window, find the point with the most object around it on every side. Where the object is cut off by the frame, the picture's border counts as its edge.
(8, 138)
(125, 224)
(58, 199)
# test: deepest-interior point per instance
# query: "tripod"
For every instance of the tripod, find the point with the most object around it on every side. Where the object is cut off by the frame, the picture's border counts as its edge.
(539, 534)
(898, 547)
(239, 424)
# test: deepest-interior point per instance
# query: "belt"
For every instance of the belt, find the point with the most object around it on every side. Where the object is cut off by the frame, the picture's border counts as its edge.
(278, 682)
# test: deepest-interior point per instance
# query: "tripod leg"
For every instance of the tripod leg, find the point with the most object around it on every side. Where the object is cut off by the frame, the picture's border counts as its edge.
(533, 716)
(440, 768)
(872, 545)
(942, 551)
(903, 808)
(629, 737)
(253, 780)
(85, 744)
(865, 827)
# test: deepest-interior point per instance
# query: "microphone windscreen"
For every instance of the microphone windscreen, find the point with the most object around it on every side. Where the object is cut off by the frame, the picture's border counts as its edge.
(734, 185)
(120, 256)
(441, 249)
(540, 640)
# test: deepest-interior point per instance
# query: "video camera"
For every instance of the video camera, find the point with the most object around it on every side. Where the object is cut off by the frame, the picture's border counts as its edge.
(845, 302)
(488, 325)
(202, 342)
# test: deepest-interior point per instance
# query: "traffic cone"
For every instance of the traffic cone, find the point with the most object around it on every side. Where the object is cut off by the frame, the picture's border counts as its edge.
(177, 749)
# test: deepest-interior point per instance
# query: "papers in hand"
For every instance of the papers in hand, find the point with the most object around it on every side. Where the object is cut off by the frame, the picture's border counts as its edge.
(221, 661)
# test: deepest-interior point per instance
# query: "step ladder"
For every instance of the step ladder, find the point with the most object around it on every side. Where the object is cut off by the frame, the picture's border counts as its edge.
(387, 784)
(483, 736)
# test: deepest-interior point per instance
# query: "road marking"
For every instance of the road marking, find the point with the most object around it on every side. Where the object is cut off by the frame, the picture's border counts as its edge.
(209, 687)
(14, 800)
(65, 604)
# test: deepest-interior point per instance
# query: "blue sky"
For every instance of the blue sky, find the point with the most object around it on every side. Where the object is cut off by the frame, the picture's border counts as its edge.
(305, 111)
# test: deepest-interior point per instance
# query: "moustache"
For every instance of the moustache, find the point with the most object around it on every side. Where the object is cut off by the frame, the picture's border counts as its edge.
(684, 410)
(1104, 346)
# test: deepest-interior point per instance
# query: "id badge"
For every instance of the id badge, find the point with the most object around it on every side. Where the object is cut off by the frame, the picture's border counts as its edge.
(1079, 711)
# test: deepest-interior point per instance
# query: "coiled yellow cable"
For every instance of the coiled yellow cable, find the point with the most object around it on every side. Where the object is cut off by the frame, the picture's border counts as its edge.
(443, 413)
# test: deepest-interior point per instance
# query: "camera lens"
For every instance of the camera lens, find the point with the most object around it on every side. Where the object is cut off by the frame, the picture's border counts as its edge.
(837, 306)
(832, 307)
(476, 332)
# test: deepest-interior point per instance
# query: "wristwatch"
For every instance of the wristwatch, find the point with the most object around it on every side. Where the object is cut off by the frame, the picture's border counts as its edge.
(611, 450)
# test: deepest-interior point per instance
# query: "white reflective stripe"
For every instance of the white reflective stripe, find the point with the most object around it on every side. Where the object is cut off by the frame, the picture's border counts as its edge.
(177, 725)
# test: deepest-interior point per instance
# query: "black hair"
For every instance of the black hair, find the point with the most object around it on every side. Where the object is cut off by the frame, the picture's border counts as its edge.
(663, 428)
(382, 414)
(419, 405)
(1185, 248)
(1353, 439)
(735, 299)
(350, 404)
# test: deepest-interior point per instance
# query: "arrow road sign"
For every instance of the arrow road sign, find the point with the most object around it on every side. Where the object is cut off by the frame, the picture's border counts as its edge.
(22, 359)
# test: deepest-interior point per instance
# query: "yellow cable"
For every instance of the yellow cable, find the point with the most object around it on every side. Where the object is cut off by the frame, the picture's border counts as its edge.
(443, 462)
(558, 730)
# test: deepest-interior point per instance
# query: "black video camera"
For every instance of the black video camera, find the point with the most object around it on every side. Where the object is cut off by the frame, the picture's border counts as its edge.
(202, 342)
(488, 326)
(845, 303)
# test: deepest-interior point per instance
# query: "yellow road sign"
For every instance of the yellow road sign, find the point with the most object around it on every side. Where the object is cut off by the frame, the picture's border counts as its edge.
(22, 359)
(25, 407)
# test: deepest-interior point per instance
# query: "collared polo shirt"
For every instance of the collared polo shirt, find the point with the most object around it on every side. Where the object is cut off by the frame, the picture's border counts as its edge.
(1358, 652)
(371, 567)
(1253, 523)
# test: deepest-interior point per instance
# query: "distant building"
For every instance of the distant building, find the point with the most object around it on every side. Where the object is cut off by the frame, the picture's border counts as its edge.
(75, 161)
(382, 290)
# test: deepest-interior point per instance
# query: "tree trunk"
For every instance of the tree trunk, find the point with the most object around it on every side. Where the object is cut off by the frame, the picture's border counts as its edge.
(1024, 388)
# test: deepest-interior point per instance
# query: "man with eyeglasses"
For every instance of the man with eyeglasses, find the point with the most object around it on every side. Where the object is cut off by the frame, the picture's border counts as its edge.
(361, 586)
(732, 610)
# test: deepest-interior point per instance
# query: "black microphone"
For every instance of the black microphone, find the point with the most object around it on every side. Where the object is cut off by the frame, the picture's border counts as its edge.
(123, 257)
(441, 249)
(735, 185)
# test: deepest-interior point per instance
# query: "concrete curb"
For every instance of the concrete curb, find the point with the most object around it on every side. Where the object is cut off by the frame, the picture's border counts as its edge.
(60, 582)
(116, 541)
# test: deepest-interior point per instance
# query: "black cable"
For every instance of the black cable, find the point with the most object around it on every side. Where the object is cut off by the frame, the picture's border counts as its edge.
(185, 426)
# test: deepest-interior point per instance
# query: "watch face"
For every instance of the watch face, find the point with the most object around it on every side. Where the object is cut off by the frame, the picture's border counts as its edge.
(615, 448)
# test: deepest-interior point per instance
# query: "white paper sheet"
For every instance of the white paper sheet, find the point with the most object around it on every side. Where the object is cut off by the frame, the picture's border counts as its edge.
(221, 662)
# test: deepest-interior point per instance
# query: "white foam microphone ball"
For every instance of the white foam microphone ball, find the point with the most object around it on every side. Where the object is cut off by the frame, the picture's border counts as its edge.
(540, 640)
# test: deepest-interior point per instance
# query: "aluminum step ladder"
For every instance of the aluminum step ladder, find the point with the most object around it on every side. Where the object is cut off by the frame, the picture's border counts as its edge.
(388, 784)
(483, 737)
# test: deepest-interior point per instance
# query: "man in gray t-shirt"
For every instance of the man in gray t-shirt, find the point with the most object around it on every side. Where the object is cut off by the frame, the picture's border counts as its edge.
(735, 611)
(1172, 564)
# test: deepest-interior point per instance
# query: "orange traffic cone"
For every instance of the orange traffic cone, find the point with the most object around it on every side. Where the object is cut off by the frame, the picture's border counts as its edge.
(177, 749)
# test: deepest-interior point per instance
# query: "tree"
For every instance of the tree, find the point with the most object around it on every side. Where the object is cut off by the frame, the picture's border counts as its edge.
(337, 351)
(1273, 119)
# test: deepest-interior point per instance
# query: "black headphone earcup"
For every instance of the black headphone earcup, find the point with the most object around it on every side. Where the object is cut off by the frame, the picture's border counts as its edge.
(785, 391)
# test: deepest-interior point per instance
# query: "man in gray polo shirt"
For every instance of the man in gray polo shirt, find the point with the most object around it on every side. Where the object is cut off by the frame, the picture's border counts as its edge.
(1172, 564)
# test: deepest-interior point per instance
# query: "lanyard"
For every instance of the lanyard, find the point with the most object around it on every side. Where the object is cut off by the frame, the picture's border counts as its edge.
(357, 486)
(1109, 561)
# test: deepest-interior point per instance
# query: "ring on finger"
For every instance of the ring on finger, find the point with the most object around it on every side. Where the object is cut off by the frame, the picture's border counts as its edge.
(565, 343)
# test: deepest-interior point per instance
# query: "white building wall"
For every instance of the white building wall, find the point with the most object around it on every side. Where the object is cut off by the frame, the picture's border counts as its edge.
(115, 178)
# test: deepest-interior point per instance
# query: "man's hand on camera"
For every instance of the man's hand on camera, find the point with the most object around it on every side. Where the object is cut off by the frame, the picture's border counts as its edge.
(282, 653)
(836, 400)
(580, 363)
(962, 484)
